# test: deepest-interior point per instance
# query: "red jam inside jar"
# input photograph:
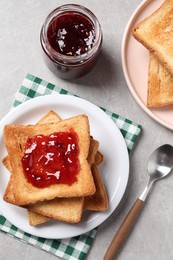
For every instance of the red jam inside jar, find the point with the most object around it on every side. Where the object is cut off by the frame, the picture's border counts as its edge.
(51, 159)
(71, 39)
(71, 34)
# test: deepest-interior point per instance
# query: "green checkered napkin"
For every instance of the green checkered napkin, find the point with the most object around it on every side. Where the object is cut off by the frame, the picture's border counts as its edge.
(76, 247)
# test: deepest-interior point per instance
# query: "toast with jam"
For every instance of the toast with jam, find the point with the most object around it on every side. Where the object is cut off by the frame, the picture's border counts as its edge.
(42, 211)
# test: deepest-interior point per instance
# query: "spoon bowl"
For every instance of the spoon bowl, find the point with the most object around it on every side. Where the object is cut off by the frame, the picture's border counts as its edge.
(160, 162)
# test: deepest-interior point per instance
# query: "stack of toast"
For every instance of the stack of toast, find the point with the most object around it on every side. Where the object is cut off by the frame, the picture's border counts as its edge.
(156, 34)
(60, 201)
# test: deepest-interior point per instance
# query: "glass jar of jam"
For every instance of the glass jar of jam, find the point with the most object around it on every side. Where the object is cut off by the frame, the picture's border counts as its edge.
(71, 39)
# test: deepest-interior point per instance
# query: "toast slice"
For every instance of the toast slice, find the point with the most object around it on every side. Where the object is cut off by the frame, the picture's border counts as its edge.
(45, 207)
(36, 219)
(156, 34)
(57, 207)
(25, 193)
(99, 200)
(63, 209)
(94, 155)
(160, 85)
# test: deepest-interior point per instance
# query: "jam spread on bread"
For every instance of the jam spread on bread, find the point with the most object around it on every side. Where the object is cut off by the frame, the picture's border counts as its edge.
(51, 159)
(71, 34)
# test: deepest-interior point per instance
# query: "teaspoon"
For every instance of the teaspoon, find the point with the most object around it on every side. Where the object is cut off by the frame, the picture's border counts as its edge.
(159, 165)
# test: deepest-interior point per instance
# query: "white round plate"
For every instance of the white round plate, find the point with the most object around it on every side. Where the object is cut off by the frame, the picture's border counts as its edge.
(135, 60)
(115, 168)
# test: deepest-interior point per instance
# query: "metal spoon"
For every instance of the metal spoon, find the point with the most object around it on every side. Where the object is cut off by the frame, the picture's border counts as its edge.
(159, 165)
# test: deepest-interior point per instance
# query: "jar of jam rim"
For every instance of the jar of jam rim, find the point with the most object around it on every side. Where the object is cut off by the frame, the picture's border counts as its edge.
(78, 34)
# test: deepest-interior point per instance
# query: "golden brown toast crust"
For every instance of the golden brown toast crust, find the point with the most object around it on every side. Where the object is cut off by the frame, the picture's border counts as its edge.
(63, 209)
(156, 34)
(160, 85)
(15, 137)
(99, 200)
(36, 219)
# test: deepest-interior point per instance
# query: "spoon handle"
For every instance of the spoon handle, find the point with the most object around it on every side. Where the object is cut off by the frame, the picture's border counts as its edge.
(124, 230)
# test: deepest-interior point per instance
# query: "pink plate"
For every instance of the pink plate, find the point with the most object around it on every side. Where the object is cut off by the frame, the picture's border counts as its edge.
(135, 59)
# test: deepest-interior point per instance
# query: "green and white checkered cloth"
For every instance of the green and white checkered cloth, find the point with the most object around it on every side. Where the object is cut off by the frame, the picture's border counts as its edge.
(76, 247)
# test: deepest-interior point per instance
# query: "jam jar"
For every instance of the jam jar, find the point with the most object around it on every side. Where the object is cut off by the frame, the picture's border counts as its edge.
(71, 40)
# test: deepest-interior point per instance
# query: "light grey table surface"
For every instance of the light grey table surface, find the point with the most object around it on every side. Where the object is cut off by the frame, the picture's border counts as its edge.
(20, 53)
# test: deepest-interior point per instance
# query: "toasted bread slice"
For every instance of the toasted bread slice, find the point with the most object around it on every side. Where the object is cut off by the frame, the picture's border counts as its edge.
(25, 193)
(63, 209)
(160, 84)
(36, 219)
(44, 208)
(51, 117)
(156, 34)
(99, 200)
